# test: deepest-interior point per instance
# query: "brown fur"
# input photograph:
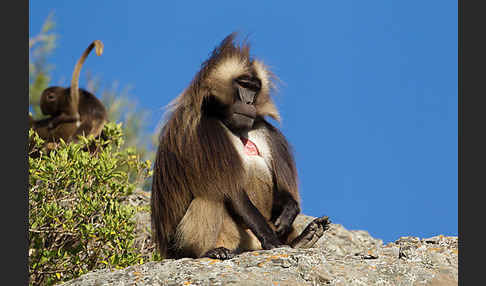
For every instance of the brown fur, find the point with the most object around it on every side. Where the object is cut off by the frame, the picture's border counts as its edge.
(199, 164)
(73, 111)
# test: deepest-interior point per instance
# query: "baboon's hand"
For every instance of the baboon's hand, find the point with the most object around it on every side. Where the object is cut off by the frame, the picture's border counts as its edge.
(283, 225)
(284, 222)
(271, 242)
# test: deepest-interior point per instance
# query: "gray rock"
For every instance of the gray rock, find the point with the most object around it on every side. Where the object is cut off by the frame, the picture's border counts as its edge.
(143, 239)
(340, 257)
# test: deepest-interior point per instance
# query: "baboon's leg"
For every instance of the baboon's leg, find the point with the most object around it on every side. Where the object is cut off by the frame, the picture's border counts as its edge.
(199, 228)
(90, 127)
(233, 239)
(84, 129)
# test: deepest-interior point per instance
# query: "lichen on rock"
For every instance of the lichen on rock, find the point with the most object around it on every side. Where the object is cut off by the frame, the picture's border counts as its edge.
(340, 257)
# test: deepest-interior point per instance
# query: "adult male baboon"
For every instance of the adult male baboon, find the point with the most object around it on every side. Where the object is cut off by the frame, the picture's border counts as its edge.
(224, 179)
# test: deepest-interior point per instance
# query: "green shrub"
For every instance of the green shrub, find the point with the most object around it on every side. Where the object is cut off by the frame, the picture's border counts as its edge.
(77, 219)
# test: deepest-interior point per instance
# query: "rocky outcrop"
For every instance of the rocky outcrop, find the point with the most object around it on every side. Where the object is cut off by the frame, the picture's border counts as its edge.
(341, 257)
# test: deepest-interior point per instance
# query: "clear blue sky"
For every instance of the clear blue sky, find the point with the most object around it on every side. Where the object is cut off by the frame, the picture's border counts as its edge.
(368, 95)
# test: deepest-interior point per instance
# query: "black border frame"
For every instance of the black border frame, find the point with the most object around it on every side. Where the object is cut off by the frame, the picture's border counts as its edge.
(15, 210)
(471, 141)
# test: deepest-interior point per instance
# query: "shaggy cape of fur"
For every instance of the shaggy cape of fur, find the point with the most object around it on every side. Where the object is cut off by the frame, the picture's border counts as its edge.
(196, 157)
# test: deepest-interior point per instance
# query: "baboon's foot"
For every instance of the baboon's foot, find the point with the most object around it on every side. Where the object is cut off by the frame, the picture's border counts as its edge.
(311, 233)
(221, 253)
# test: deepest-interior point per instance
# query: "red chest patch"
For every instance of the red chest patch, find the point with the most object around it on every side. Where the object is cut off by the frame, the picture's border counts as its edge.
(250, 147)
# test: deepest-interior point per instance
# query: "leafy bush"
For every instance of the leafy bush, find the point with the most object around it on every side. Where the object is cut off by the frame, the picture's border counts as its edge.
(77, 219)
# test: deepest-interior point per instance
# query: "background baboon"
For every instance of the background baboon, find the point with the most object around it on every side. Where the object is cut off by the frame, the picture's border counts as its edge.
(73, 111)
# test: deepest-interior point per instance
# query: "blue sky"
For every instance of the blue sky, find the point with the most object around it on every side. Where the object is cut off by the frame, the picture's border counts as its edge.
(368, 94)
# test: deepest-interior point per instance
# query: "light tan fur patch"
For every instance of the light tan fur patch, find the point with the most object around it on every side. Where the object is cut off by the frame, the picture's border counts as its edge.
(195, 232)
(266, 107)
(233, 236)
(220, 79)
(262, 74)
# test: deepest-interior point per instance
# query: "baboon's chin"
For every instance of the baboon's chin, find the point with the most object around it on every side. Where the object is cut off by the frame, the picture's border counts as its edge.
(240, 122)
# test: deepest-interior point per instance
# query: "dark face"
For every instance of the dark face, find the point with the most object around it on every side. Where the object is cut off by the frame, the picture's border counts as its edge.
(51, 99)
(242, 113)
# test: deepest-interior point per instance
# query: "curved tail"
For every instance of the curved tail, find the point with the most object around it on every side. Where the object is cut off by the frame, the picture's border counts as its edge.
(77, 69)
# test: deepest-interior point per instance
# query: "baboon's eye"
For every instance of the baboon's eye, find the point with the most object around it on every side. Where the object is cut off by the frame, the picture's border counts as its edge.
(249, 82)
(51, 96)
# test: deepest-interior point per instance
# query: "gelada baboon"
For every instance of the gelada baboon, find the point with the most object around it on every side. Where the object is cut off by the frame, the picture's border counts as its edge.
(73, 111)
(224, 178)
